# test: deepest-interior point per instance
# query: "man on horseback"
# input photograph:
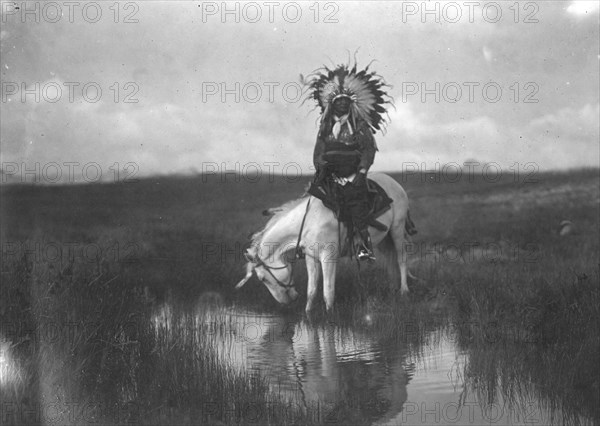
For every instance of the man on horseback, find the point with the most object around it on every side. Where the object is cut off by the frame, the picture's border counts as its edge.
(351, 106)
(345, 155)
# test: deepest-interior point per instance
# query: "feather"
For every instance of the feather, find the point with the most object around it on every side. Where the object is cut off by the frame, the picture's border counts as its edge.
(364, 88)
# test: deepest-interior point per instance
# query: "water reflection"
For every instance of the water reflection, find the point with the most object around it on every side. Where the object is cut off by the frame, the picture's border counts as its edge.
(10, 373)
(332, 372)
(350, 375)
(355, 375)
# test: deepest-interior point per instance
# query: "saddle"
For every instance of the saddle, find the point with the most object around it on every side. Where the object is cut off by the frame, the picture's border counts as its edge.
(329, 194)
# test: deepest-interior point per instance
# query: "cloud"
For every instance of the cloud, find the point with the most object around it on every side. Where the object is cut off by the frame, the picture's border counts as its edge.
(173, 129)
(569, 123)
(426, 140)
(583, 7)
(567, 138)
(563, 139)
(487, 54)
(159, 137)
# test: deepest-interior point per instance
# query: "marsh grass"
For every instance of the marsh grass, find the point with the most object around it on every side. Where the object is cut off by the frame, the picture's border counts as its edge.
(191, 384)
(528, 317)
(89, 351)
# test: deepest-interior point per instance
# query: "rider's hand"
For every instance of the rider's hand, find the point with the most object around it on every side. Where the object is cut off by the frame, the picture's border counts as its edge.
(320, 173)
(360, 179)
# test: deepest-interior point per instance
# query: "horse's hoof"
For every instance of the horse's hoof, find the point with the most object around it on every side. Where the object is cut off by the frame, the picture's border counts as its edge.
(398, 292)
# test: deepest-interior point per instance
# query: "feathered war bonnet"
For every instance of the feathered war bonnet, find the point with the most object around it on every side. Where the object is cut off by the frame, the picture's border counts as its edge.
(364, 89)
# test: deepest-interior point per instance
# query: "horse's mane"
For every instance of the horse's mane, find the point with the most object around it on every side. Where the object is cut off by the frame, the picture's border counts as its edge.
(277, 214)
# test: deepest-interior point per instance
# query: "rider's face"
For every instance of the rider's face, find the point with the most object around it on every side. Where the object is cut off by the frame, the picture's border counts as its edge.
(341, 106)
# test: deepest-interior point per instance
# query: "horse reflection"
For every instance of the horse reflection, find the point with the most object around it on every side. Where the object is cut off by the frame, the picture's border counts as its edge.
(345, 375)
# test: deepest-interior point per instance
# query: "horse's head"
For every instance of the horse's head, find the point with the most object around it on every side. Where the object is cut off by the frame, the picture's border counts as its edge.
(276, 277)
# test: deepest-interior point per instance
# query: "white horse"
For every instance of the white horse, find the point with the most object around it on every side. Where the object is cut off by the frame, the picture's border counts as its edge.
(272, 252)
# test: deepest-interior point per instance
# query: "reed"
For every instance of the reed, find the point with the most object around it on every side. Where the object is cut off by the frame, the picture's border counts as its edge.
(77, 328)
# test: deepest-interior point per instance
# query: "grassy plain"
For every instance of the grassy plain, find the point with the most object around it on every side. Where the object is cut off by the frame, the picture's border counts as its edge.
(84, 267)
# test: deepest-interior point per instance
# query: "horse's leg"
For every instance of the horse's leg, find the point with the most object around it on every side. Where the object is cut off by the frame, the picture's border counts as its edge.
(313, 267)
(403, 280)
(329, 268)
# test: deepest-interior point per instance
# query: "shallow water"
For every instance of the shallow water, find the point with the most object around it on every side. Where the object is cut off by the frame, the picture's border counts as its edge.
(352, 375)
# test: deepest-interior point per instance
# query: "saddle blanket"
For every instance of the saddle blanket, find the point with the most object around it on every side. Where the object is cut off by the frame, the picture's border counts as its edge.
(379, 201)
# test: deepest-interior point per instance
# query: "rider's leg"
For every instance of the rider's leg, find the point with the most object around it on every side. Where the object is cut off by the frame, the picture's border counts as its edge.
(366, 251)
(359, 208)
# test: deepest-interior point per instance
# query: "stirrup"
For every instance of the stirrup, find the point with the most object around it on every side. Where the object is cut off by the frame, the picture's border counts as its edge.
(365, 254)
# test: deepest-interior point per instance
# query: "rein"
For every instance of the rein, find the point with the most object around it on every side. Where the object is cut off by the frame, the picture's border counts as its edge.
(289, 284)
(297, 254)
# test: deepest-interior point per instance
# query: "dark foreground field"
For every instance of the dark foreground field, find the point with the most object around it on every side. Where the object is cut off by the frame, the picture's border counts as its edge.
(83, 268)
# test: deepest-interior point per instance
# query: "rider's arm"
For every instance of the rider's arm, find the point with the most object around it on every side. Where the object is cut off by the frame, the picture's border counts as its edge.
(368, 149)
(318, 152)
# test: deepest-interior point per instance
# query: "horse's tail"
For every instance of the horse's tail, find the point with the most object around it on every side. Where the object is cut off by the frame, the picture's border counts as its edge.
(389, 258)
(409, 225)
(389, 252)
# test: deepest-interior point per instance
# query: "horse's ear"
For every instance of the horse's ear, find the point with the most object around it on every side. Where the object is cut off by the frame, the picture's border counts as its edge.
(250, 255)
(249, 271)
(243, 281)
(271, 211)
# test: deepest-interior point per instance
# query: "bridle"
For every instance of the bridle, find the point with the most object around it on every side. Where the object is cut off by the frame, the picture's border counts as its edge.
(259, 262)
(269, 269)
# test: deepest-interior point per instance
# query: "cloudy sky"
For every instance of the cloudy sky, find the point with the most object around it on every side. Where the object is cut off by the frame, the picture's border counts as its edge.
(513, 84)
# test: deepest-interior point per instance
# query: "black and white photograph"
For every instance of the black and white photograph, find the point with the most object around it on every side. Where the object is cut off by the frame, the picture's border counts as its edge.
(300, 212)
